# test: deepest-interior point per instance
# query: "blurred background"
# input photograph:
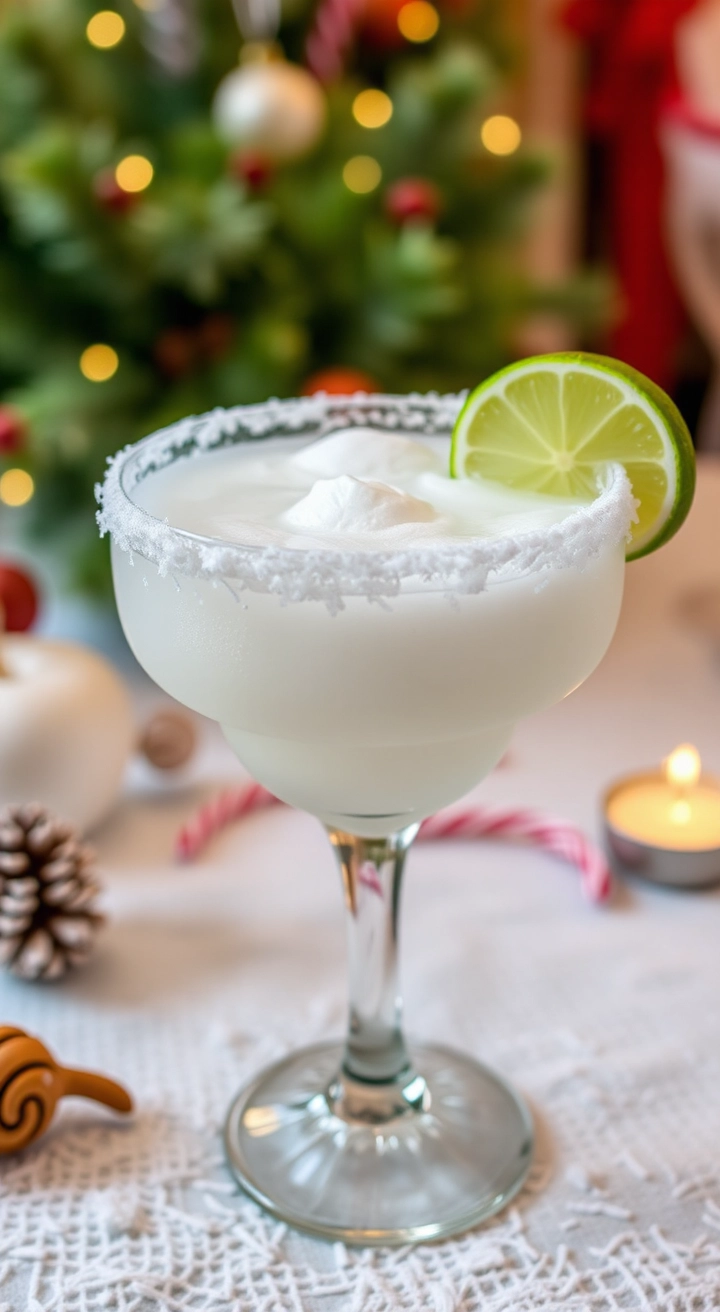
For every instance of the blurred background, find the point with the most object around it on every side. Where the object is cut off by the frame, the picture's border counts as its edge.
(205, 202)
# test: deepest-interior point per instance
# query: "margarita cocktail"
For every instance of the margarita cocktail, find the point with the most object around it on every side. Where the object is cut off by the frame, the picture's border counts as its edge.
(367, 630)
(374, 715)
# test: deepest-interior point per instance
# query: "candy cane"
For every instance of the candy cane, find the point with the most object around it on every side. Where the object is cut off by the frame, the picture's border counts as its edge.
(211, 818)
(546, 832)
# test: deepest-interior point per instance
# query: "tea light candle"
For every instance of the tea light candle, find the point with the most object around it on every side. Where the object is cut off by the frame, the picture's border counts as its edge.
(666, 825)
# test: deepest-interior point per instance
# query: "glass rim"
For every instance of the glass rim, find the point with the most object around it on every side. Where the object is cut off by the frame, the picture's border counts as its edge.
(329, 574)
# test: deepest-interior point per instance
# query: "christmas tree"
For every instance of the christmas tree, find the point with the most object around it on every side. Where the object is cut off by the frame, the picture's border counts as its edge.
(159, 256)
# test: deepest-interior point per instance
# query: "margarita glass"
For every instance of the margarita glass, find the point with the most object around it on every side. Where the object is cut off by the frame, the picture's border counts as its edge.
(371, 716)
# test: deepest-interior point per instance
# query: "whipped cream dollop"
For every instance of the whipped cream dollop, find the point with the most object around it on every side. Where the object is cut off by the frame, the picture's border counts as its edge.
(356, 489)
(354, 505)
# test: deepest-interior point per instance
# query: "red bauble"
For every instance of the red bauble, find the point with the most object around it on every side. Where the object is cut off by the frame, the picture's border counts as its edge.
(19, 599)
(411, 199)
(252, 168)
(215, 336)
(12, 430)
(176, 352)
(339, 381)
(110, 195)
(379, 24)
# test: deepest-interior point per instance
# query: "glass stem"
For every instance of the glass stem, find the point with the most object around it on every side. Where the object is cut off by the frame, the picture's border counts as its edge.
(371, 869)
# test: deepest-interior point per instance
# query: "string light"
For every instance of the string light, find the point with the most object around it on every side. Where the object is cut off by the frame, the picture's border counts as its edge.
(16, 487)
(362, 174)
(134, 173)
(105, 29)
(99, 362)
(418, 21)
(500, 134)
(372, 108)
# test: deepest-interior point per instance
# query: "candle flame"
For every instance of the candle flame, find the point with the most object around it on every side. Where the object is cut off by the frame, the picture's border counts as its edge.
(683, 766)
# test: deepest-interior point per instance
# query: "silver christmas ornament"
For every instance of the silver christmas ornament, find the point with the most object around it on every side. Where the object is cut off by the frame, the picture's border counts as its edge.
(270, 106)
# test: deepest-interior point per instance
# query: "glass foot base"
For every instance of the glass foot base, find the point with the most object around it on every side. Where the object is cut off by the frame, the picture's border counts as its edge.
(420, 1160)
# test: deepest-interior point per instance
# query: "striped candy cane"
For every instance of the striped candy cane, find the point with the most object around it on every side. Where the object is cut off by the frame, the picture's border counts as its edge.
(546, 832)
(214, 816)
(550, 834)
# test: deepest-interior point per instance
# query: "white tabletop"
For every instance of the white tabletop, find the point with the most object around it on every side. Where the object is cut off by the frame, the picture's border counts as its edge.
(608, 1019)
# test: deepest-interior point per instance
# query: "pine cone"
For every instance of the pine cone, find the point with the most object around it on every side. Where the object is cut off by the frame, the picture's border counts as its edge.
(47, 894)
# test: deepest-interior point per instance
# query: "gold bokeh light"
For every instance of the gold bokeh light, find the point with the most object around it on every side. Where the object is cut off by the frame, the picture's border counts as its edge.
(418, 21)
(105, 29)
(16, 487)
(134, 173)
(372, 108)
(362, 174)
(99, 362)
(500, 134)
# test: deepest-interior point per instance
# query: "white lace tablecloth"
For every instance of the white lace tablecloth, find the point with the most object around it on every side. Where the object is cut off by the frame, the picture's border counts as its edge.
(608, 1019)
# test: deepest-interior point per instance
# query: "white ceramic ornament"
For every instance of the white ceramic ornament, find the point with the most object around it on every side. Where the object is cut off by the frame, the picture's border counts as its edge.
(66, 728)
(273, 107)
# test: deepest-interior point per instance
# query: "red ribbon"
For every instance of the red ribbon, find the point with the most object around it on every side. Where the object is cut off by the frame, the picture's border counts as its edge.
(632, 57)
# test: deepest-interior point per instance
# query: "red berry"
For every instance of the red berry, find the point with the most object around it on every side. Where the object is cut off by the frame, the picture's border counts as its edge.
(176, 352)
(215, 336)
(12, 430)
(410, 199)
(111, 195)
(252, 168)
(19, 600)
(339, 381)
